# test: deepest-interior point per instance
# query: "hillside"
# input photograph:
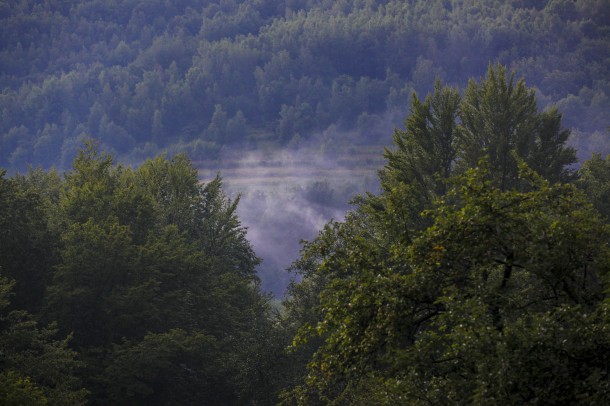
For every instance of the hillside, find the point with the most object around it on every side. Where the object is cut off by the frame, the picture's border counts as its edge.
(204, 77)
(413, 165)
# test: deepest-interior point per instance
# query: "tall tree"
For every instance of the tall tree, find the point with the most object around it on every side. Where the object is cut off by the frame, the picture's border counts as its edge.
(550, 156)
(499, 118)
(487, 282)
(425, 152)
(388, 319)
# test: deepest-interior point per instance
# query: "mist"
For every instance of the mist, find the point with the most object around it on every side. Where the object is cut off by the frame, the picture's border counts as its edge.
(288, 195)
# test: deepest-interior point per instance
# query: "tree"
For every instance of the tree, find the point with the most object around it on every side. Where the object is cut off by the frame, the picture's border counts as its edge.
(36, 368)
(550, 156)
(156, 281)
(499, 118)
(503, 283)
(159, 69)
(427, 149)
(173, 367)
(96, 259)
(446, 134)
(16, 391)
(487, 282)
(97, 249)
(419, 168)
(26, 248)
(88, 189)
(594, 180)
(396, 321)
(217, 129)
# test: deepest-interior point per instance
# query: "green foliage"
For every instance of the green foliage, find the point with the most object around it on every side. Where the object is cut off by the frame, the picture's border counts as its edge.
(427, 149)
(484, 285)
(455, 315)
(549, 157)
(88, 190)
(173, 367)
(26, 248)
(17, 391)
(36, 368)
(499, 118)
(496, 117)
(594, 180)
(498, 296)
(150, 275)
(96, 258)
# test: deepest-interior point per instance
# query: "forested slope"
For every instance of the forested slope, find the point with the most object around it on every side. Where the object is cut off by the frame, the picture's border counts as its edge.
(479, 274)
(197, 76)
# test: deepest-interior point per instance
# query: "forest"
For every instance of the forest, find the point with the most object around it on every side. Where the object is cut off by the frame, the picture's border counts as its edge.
(203, 77)
(474, 268)
(479, 274)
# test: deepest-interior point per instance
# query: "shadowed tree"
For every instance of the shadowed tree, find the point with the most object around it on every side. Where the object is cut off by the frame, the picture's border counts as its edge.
(36, 368)
(157, 282)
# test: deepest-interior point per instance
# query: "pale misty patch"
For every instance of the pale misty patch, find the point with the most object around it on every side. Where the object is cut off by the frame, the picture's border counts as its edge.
(287, 196)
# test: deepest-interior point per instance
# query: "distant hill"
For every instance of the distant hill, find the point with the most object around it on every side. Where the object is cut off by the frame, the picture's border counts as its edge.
(204, 77)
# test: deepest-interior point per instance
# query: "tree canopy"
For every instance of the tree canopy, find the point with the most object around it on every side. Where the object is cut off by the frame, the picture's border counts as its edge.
(480, 272)
(146, 270)
(199, 76)
(477, 275)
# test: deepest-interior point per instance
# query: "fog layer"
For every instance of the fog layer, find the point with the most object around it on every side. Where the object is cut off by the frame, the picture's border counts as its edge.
(287, 196)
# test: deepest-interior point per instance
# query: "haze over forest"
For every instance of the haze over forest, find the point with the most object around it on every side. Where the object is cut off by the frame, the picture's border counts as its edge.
(445, 162)
(224, 81)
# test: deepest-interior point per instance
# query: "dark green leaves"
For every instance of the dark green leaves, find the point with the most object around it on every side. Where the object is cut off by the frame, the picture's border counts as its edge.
(476, 276)
(36, 366)
(150, 274)
(498, 274)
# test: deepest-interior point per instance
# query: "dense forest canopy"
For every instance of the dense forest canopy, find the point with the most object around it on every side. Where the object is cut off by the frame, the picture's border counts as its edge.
(199, 76)
(142, 280)
(478, 272)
